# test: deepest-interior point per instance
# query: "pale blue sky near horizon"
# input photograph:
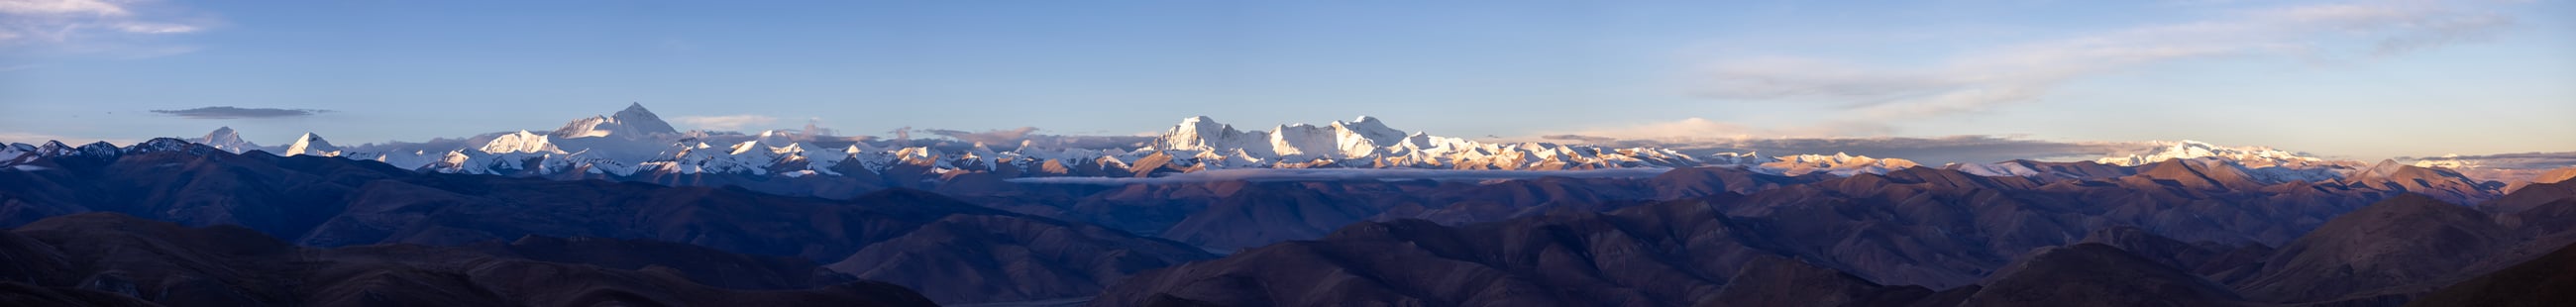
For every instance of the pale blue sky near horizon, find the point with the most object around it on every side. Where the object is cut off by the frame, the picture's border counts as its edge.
(2360, 79)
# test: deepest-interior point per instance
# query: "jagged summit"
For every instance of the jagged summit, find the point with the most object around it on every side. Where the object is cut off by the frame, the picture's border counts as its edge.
(226, 139)
(311, 145)
(165, 144)
(521, 142)
(1839, 164)
(642, 120)
(1206, 134)
(2265, 164)
(1369, 142)
(2250, 156)
(633, 122)
(1360, 136)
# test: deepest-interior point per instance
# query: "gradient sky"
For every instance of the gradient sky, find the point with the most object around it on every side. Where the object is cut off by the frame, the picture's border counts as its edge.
(2361, 79)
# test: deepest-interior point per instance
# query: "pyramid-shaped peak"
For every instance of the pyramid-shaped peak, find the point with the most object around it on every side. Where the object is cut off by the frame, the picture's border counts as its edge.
(633, 122)
(221, 135)
(1364, 122)
(640, 120)
(226, 139)
(312, 144)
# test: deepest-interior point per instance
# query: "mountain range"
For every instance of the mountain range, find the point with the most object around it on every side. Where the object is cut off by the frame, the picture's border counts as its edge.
(635, 144)
(625, 209)
(328, 202)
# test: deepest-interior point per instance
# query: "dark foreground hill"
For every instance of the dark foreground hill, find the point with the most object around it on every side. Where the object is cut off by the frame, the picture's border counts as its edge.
(2548, 281)
(1683, 253)
(2183, 233)
(948, 250)
(109, 259)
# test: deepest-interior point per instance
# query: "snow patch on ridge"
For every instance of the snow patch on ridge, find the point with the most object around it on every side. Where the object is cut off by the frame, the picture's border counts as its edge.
(1838, 164)
(1335, 174)
(311, 145)
(2251, 156)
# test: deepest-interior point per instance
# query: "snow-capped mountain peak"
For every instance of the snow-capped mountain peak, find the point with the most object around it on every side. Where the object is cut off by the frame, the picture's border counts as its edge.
(633, 122)
(1735, 158)
(521, 142)
(1839, 164)
(2250, 156)
(1364, 135)
(1360, 137)
(311, 145)
(2450, 161)
(1206, 134)
(2265, 164)
(1368, 142)
(226, 139)
(643, 121)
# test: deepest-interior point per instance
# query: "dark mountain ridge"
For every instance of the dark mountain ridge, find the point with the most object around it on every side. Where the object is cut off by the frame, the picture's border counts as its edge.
(1685, 237)
(328, 202)
(109, 259)
(1848, 236)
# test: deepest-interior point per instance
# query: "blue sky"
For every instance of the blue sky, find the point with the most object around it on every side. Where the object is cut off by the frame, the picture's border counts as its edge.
(2345, 78)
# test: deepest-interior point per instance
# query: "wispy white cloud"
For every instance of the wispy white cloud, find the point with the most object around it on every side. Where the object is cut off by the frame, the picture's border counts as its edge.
(726, 122)
(229, 112)
(91, 25)
(1985, 78)
(62, 7)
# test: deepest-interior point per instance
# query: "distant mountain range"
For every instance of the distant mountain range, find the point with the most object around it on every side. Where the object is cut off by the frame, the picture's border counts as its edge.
(1207, 214)
(635, 143)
